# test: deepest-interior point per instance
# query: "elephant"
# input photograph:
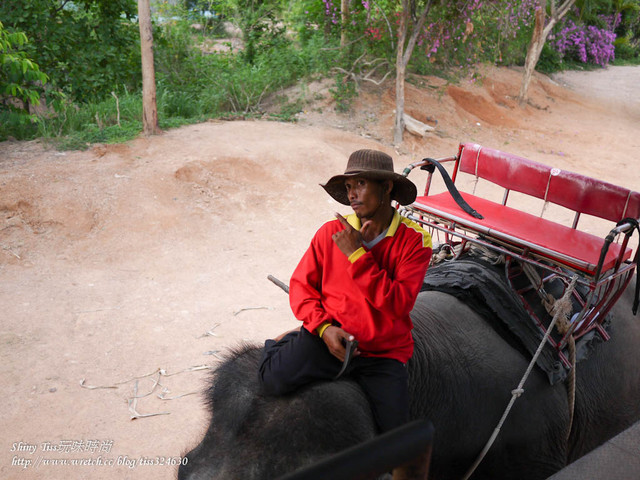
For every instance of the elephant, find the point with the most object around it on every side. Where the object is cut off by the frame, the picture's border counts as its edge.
(461, 377)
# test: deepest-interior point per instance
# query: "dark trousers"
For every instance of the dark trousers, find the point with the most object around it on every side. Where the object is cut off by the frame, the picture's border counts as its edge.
(301, 358)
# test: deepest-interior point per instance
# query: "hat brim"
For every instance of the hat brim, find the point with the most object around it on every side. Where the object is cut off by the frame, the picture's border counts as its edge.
(404, 191)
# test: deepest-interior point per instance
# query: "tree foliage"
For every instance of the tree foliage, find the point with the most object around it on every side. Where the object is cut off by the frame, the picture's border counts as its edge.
(88, 47)
(20, 77)
(91, 48)
(260, 22)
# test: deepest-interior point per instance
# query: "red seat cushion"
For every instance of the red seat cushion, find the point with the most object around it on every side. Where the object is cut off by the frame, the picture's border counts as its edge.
(562, 244)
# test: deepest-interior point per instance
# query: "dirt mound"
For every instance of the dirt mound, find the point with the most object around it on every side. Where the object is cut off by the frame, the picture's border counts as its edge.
(485, 109)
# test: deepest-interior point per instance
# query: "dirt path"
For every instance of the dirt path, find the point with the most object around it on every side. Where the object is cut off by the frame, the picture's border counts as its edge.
(617, 85)
(126, 260)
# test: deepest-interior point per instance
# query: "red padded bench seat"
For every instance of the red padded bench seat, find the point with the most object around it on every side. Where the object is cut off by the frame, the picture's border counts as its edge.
(552, 240)
(557, 242)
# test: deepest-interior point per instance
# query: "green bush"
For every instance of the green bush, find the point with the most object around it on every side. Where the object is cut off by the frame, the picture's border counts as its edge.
(625, 50)
(343, 93)
(94, 122)
(18, 126)
(550, 60)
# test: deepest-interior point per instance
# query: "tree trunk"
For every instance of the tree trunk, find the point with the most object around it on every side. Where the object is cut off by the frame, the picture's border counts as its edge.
(149, 107)
(533, 53)
(344, 17)
(538, 38)
(416, 127)
(403, 56)
(400, 73)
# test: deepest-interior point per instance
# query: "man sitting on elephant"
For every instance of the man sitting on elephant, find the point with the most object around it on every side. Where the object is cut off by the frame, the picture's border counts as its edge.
(358, 280)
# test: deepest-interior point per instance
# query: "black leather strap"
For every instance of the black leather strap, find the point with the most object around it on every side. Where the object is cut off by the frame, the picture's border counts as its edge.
(451, 187)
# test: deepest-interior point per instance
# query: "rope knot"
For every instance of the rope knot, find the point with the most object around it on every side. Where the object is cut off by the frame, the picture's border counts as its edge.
(549, 302)
(517, 392)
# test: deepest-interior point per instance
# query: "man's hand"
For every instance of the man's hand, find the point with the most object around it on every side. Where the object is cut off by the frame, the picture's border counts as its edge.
(349, 240)
(333, 337)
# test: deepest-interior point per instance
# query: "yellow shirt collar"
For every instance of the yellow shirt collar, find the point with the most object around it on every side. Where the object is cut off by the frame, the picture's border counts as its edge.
(354, 221)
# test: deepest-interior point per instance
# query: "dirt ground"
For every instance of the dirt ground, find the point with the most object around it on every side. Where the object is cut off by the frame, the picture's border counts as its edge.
(134, 267)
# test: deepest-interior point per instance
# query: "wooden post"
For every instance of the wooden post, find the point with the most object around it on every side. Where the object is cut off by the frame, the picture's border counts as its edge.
(149, 106)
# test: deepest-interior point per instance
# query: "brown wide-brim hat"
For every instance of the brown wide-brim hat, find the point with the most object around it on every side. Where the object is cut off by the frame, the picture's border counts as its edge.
(373, 165)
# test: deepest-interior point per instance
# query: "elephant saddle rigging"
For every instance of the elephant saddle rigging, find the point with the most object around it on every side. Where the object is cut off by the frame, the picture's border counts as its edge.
(541, 255)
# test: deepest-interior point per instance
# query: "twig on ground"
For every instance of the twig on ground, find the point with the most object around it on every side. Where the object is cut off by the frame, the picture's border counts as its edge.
(163, 395)
(156, 382)
(160, 371)
(190, 369)
(251, 308)
(115, 385)
(210, 332)
(98, 310)
(4, 247)
(133, 401)
(95, 387)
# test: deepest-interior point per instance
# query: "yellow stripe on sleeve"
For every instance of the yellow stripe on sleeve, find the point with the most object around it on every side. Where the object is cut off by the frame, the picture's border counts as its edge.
(322, 328)
(426, 237)
(357, 254)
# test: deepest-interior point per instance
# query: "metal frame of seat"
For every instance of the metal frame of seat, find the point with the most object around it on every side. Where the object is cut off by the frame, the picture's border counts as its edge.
(604, 279)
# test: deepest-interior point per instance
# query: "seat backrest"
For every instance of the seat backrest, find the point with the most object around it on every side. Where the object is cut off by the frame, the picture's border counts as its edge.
(571, 190)
(504, 169)
(593, 197)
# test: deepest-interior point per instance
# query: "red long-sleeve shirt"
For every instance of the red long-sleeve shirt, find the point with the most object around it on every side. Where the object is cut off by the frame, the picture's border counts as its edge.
(371, 293)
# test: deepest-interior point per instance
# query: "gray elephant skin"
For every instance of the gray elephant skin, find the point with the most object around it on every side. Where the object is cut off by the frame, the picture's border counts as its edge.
(461, 377)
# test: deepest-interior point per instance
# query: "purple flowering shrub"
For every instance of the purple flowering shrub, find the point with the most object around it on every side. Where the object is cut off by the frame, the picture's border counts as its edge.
(364, 19)
(464, 32)
(331, 11)
(452, 37)
(587, 43)
(507, 30)
(513, 15)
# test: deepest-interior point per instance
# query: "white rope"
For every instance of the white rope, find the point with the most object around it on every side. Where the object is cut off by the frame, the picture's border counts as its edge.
(520, 390)
(548, 301)
(475, 182)
(487, 255)
(446, 252)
